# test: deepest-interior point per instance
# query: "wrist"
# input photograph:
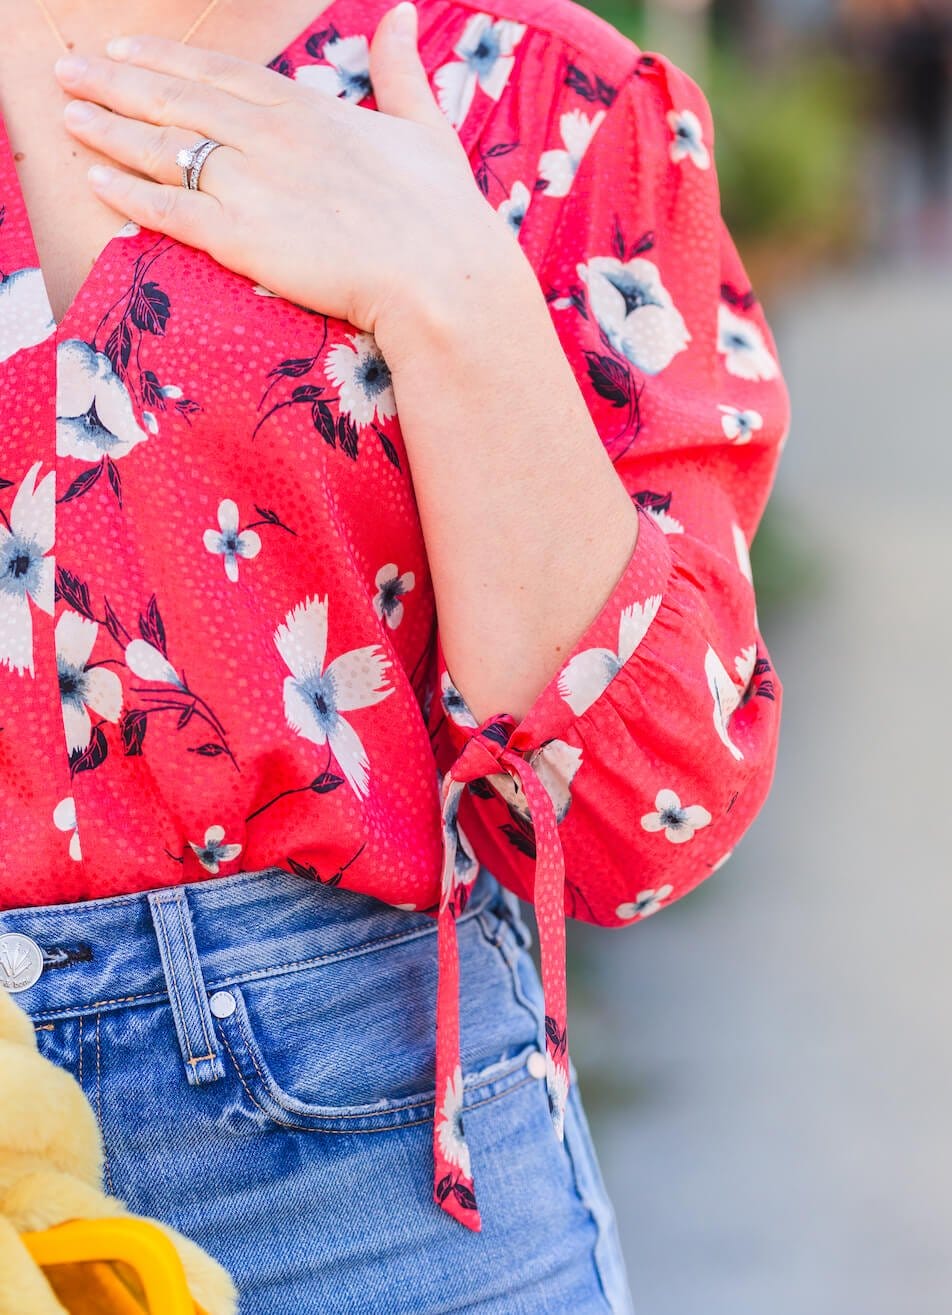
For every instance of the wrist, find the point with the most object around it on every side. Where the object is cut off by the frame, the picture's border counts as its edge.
(486, 285)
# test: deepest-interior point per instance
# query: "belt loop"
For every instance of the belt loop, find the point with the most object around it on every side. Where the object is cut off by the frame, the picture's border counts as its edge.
(187, 992)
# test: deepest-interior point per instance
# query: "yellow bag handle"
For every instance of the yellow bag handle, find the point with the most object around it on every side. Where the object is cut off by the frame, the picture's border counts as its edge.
(78, 1259)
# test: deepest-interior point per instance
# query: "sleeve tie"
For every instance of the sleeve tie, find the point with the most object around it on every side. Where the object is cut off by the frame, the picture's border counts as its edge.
(486, 754)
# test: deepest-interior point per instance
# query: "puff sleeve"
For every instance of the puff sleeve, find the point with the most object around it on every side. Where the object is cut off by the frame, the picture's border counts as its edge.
(649, 752)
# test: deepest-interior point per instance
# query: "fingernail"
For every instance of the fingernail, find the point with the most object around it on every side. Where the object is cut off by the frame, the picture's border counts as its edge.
(121, 47)
(70, 67)
(79, 111)
(405, 18)
(100, 175)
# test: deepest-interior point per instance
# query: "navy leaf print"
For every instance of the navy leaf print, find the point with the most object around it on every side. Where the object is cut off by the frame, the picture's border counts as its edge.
(94, 755)
(326, 782)
(151, 627)
(293, 369)
(150, 308)
(119, 346)
(652, 501)
(609, 378)
(132, 729)
(115, 483)
(519, 839)
(347, 436)
(324, 422)
(74, 591)
(82, 483)
(208, 750)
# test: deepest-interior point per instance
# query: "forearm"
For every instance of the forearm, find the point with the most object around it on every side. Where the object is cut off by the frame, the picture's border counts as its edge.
(527, 525)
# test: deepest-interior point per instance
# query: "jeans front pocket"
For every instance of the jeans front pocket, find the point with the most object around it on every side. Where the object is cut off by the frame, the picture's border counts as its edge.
(347, 1042)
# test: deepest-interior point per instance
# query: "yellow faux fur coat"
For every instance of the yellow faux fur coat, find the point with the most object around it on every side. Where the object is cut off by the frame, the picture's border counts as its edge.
(51, 1160)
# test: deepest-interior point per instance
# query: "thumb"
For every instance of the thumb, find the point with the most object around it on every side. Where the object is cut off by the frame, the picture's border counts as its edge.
(399, 80)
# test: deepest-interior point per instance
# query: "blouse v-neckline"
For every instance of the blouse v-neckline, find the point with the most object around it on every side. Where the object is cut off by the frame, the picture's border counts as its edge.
(326, 17)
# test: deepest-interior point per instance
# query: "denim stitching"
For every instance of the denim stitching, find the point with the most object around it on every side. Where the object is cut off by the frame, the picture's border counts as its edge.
(199, 995)
(410, 1123)
(427, 1099)
(108, 1172)
(364, 947)
(172, 980)
(510, 947)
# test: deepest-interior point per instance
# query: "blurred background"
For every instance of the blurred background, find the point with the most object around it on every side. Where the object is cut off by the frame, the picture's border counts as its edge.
(767, 1064)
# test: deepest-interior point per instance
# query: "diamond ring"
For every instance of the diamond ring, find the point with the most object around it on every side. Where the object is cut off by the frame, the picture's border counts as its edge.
(190, 160)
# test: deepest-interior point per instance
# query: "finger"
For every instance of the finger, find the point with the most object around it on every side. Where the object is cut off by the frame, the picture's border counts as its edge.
(142, 146)
(141, 94)
(400, 81)
(190, 217)
(239, 77)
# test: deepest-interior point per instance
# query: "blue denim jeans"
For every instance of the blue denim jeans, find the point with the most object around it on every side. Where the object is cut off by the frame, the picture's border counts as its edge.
(258, 1050)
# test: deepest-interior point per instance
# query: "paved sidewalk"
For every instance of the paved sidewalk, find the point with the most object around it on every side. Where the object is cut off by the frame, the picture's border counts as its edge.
(786, 1029)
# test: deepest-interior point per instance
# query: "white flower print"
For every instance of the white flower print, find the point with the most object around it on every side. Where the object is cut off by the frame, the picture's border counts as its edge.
(742, 552)
(391, 586)
(94, 415)
(64, 818)
(742, 345)
(635, 311)
(669, 524)
(555, 763)
(363, 379)
(645, 902)
(83, 687)
(513, 209)
(25, 570)
(559, 166)
(465, 866)
(145, 661)
(452, 1142)
(725, 693)
(485, 56)
(587, 674)
(227, 541)
(677, 822)
(740, 426)
(25, 315)
(213, 852)
(688, 141)
(129, 229)
(347, 72)
(314, 698)
(557, 1086)
(454, 705)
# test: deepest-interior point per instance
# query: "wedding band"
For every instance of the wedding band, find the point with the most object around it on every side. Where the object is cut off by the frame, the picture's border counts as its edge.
(190, 160)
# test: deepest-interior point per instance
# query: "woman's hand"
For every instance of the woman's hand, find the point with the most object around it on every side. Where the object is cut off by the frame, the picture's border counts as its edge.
(346, 210)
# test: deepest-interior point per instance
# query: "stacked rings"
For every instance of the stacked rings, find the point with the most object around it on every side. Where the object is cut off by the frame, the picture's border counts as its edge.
(191, 159)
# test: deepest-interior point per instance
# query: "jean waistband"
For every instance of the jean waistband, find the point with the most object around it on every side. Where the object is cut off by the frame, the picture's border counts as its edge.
(116, 951)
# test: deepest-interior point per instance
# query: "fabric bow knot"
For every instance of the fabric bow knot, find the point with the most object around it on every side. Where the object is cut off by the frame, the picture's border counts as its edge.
(487, 753)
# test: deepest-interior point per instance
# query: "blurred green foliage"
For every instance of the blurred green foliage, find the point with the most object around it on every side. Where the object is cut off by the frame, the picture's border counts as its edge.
(787, 139)
(786, 149)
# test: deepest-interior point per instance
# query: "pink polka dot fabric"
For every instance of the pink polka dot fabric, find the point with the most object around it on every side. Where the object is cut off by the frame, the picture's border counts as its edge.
(219, 650)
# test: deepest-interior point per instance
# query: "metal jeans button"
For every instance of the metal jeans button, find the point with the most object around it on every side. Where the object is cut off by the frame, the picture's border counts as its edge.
(222, 1003)
(21, 961)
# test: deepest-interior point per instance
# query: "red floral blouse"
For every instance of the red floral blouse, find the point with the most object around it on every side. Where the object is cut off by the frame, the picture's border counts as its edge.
(218, 643)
